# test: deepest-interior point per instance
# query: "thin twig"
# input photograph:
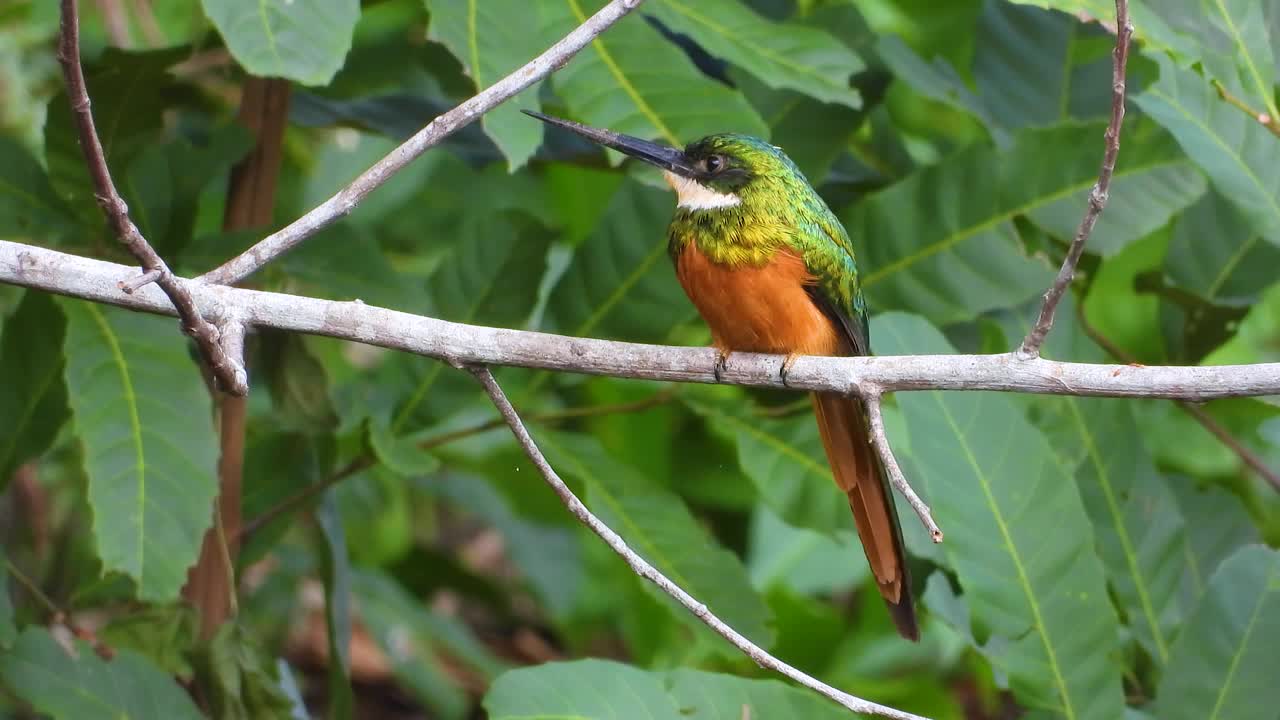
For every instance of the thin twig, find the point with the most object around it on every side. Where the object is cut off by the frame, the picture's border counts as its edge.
(363, 462)
(346, 199)
(880, 441)
(462, 344)
(650, 573)
(1264, 119)
(228, 370)
(1030, 347)
(1210, 423)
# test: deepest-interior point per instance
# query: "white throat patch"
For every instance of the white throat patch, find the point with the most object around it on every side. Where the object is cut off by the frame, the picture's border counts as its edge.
(693, 195)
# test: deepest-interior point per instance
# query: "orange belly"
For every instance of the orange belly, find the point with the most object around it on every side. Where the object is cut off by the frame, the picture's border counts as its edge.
(758, 309)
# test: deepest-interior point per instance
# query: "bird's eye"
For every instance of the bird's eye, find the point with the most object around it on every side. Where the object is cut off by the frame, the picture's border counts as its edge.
(713, 163)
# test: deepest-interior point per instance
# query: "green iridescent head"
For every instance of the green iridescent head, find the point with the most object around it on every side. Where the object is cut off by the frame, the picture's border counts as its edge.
(718, 171)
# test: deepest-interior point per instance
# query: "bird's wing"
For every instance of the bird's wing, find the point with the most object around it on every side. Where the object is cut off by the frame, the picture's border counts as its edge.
(838, 291)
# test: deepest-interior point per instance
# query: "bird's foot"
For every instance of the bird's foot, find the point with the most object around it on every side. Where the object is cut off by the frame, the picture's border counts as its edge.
(785, 370)
(722, 363)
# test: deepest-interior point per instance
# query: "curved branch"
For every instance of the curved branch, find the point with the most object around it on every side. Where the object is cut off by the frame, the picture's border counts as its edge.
(459, 345)
(346, 199)
(642, 568)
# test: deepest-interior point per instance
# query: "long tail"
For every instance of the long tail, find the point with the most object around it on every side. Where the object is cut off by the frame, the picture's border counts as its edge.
(858, 471)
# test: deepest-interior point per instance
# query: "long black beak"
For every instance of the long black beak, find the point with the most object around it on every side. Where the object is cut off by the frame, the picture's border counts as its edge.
(667, 158)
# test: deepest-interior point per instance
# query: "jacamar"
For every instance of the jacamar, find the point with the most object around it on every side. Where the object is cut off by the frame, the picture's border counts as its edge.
(771, 270)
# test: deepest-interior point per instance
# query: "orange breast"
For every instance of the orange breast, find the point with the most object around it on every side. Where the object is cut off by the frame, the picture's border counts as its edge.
(758, 309)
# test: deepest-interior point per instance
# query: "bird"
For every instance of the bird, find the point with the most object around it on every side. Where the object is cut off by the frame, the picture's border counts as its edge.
(771, 270)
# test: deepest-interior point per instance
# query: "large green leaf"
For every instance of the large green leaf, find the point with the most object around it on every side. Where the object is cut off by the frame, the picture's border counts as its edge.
(301, 40)
(74, 687)
(1018, 539)
(784, 458)
(33, 399)
(632, 80)
(1217, 525)
(658, 526)
(1239, 155)
(620, 283)
(29, 207)
(1140, 534)
(1232, 42)
(586, 689)
(782, 55)
(491, 38)
(942, 242)
(1149, 27)
(1223, 665)
(590, 689)
(142, 413)
(1217, 254)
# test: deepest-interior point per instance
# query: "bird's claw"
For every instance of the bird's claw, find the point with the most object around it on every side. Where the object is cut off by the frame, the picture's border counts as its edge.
(722, 364)
(785, 370)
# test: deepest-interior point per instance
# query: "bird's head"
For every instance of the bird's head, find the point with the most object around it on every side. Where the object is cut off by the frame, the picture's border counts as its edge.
(718, 171)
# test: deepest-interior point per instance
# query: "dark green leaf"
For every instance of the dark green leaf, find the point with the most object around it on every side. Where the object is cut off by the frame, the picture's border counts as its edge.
(298, 383)
(337, 602)
(29, 207)
(1222, 665)
(1216, 254)
(492, 38)
(67, 687)
(33, 399)
(8, 631)
(164, 634)
(237, 680)
(1018, 539)
(632, 80)
(400, 455)
(781, 55)
(142, 413)
(658, 526)
(620, 283)
(1217, 525)
(301, 40)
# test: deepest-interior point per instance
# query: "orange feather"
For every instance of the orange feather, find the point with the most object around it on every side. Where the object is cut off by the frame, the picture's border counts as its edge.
(767, 308)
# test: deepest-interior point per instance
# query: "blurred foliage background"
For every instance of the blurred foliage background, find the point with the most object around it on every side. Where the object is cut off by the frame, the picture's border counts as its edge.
(1103, 558)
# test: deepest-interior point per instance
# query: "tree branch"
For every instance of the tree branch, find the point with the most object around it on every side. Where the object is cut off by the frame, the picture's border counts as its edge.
(1270, 123)
(880, 441)
(1030, 347)
(346, 199)
(228, 370)
(650, 573)
(459, 345)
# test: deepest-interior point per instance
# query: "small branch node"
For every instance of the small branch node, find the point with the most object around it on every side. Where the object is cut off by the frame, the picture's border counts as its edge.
(131, 285)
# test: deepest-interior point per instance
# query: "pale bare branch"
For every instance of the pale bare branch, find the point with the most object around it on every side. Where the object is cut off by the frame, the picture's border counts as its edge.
(880, 441)
(642, 568)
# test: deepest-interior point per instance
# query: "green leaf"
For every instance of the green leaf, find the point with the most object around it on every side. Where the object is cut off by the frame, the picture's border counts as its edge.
(400, 455)
(67, 687)
(237, 681)
(942, 242)
(938, 80)
(142, 413)
(658, 526)
(33, 399)
(336, 574)
(1140, 533)
(1217, 525)
(491, 38)
(165, 634)
(781, 55)
(1149, 27)
(1216, 253)
(1232, 42)
(584, 689)
(711, 696)
(1239, 155)
(1223, 663)
(1018, 539)
(8, 631)
(345, 262)
(620, 283)
(632, 80)
(785, 461)
(803, 560)
(29, 206)
(301, 40)
(297, 381)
